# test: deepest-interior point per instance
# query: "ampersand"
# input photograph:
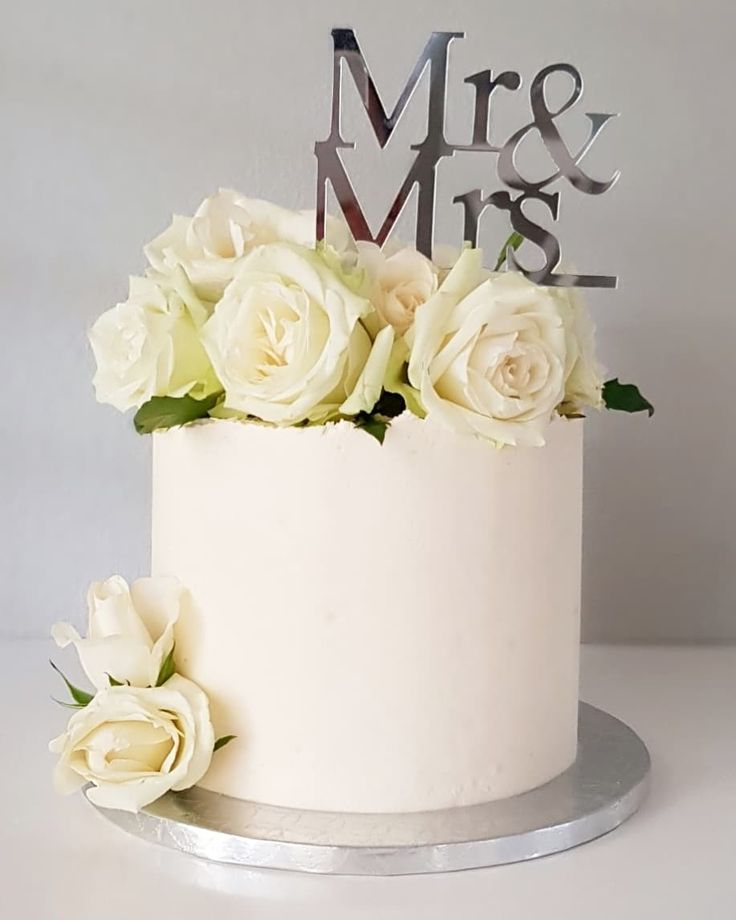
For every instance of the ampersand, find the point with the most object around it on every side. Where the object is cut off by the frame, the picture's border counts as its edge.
(544, 123)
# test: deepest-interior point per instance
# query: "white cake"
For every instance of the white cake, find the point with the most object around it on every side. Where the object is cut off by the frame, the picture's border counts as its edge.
(385, 628)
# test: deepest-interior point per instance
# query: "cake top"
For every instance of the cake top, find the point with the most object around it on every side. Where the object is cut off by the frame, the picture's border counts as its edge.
(252, 311)
(241, 315)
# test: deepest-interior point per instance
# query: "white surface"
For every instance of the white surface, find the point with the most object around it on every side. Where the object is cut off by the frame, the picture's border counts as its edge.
(672, 861)
(116, 114)
(408, 613)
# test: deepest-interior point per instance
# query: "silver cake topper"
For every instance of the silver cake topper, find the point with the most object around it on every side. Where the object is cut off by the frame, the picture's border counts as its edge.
(423, 171)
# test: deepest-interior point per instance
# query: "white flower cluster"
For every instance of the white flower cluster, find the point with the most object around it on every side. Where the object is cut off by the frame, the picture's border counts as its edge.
(238, 305)
(146, 729)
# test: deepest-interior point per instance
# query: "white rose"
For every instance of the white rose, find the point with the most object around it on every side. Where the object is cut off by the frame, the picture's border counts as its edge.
(488, 354)
(130, 630)
(583, 373)
(444, 257)
(149, 346)
(211, 245)
(134, 744)
(399, 282)
(288, 343)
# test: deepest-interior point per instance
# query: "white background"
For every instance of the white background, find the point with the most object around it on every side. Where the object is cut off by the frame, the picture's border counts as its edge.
(116, 114)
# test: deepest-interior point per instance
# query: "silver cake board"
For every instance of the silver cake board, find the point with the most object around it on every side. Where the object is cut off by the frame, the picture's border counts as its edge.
(604, 787)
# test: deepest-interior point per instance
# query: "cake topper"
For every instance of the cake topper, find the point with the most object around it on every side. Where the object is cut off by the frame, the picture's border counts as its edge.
(435, 146)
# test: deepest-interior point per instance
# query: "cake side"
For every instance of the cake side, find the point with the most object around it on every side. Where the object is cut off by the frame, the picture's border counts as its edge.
(385, 628)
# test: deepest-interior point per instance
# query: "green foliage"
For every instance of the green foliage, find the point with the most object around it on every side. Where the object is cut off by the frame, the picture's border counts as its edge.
(389, 405)
(81, 697)
(170, 411)
(67, 705)
(625, 397)
(221, 742)
(168, 668)
(373, 425)
(514, 241)
(397, 381)
(377, 421)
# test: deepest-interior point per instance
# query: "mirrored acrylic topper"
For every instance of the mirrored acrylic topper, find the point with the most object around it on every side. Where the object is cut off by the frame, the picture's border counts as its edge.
(564, 163)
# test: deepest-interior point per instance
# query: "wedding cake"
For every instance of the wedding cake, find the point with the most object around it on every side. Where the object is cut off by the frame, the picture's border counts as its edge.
(364, 616)
(367, 478)
(358, 645)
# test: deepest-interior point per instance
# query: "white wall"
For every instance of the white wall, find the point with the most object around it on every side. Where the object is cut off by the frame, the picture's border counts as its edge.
(117, 113)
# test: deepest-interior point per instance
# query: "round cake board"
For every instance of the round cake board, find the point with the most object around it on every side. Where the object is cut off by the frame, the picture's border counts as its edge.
(604, 787)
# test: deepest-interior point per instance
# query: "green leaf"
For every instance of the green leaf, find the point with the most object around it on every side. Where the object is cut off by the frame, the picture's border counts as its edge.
(80, 697)
(67, 705)
(168, 668)
(514, 241)
(170, 411)
(625, 397)
(396, 379)
(221, 742)
(372, 425)
(115, 683)
(389, 405)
